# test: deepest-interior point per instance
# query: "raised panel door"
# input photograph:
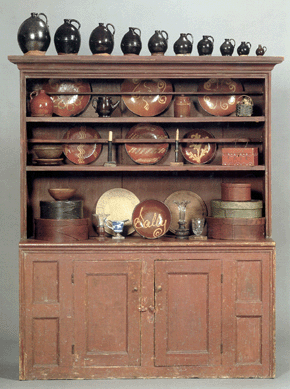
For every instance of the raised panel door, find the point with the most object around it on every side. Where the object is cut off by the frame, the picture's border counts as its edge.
(188, 313)
(107, 316)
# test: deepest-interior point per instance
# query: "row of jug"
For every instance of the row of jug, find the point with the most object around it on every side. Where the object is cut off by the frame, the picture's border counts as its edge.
(34, 38)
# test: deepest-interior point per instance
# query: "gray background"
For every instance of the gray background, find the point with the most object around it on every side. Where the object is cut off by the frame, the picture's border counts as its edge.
(259, 22)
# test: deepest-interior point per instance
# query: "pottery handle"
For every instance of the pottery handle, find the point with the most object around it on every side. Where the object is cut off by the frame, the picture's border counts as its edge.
(136, 28)
(190, 36)
(33, 94)
(109, 24)
(248, 43)
(209, 36)
(265, 48)
(233, 41)
(95, 102)
(165, 37)
(108, 221)
(44, 16)
(78, 23)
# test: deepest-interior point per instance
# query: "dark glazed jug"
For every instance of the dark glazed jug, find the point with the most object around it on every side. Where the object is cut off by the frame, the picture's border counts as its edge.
(33, 35)
(131, 42)
(261, 50)
(104, 106)
(205, 46)
(227, 48)
(183, 46)
(67, 38)
(157, 44)
(244, 48)
(102, 39)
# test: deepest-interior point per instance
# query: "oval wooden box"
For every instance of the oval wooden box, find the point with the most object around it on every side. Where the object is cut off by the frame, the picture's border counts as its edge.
(235, 192)
(237, 209)
(235, 228)
(61, 231)
(68, 209)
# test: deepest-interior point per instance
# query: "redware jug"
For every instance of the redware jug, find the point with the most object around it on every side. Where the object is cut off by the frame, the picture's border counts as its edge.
(261, 50)
(40, 104)
(205, 45)
(67, 38)
(227, 48)
(33, 35)
(183, 45)
(244, 48)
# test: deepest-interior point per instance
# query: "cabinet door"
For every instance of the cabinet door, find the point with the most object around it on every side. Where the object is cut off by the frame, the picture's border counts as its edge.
(107, 316)
(46, 314)
(188, 312)
(248, 319)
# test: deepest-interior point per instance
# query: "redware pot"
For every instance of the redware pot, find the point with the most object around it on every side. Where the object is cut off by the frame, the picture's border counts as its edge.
(40, 103)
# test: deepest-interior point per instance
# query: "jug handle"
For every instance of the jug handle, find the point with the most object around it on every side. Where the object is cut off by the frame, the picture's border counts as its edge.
(106, 222)
(32, 94)
(191, 37)
(165, 37)
(109, 24)
(209, 36)
(136, 28)
(248, 43)
(265, 48)
(44, 16)
(233, 41)
(78, 23)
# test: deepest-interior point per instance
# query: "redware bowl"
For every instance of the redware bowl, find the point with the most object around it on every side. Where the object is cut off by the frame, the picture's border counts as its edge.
(61, 193)
(151, 219)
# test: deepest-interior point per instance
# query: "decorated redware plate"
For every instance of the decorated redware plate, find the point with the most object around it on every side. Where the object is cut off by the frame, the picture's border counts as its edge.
(151, 219)
(146, 153)
(72, 104)
(198, 153)
(119, 204)
(195, 208)
(150, 104)
(219, 105)
(83, 153)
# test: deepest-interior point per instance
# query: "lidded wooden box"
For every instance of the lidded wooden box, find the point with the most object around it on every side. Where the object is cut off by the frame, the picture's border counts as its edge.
(240, 156)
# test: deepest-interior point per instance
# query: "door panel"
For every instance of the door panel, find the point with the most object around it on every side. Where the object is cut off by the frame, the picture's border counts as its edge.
(107, 326)
(188, 312)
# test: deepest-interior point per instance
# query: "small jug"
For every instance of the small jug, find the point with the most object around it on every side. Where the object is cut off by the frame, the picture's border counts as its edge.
(261, 50)
(40, 104)
(104, 106)
(67, 38)
(205, 46)
(244, 48)
(183, 45)
(157, 44)
(117, 226)
(131, 42)
(227, 48)
(102, 39)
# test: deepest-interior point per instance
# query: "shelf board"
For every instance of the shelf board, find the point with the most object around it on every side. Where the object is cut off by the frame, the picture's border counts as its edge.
(137, 119)
(144, 168)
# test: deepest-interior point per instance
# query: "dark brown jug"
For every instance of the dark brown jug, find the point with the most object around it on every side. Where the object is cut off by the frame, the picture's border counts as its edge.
(261, 50)
(104, 106)
(244, 48)
(183, 46)
(131, 42)
(33, 35)
(67, 38)
(157, 44)
(102, 39)
(227, 48)
(205, 46)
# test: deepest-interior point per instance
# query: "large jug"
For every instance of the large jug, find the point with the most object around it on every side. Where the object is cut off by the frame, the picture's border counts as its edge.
(102, 39)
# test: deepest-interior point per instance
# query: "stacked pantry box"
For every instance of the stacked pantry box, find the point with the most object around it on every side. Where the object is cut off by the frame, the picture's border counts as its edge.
(236, 215)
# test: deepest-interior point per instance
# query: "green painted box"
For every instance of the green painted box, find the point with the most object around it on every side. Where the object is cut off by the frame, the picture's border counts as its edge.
(237, 209)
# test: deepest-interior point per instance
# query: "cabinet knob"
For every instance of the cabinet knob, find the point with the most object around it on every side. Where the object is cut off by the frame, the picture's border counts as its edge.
(159, 288)
(135, 289)
(151, 309)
